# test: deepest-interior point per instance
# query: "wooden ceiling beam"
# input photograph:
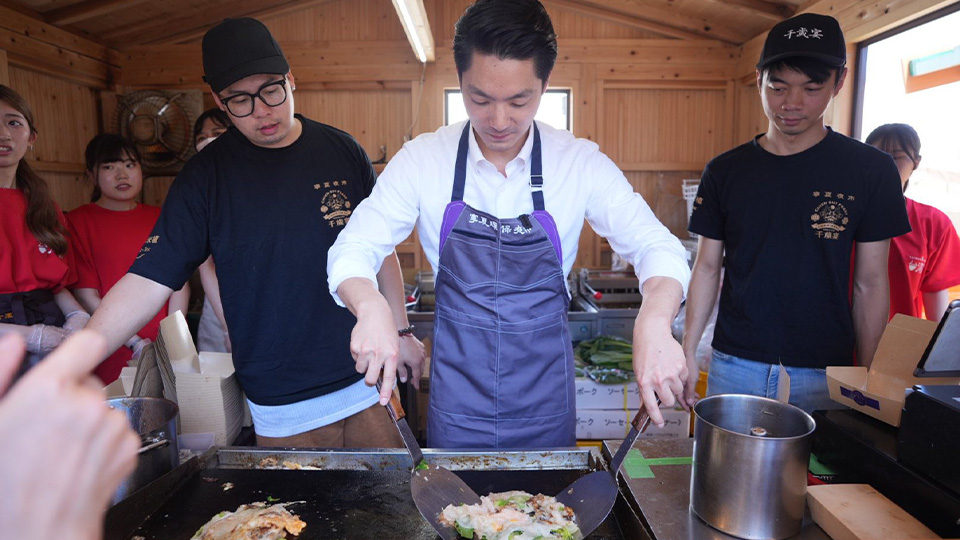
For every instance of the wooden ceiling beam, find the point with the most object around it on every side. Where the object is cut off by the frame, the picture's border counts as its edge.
(194, 24)
(667, 22)
(34, 28)
(773, 11)
(621, 18)
(82, 11)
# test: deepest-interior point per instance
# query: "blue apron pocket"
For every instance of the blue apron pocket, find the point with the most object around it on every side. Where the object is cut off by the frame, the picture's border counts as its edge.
(463, 370)
(536, 363)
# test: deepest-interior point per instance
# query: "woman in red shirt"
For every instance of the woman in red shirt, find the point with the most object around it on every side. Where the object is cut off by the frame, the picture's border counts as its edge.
(925, 262)
(35, 262)
(107, 234)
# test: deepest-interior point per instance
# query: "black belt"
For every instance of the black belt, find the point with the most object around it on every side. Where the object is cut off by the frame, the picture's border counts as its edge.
(33, 307)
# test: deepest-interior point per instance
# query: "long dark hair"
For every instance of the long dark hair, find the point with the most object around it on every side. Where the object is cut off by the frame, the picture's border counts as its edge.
(42, 215)
(106, 148)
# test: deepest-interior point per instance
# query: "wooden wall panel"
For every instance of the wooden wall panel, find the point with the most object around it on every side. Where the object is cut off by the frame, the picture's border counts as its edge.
(662, 129)
(69, 190)
(375, 118)
(4, 68)
(32, 44)
(567, 25)
(155, 189)
(751, 120)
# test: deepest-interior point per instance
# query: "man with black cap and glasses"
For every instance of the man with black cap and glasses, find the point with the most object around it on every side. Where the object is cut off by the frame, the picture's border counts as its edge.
(784, 214)
(267, 199)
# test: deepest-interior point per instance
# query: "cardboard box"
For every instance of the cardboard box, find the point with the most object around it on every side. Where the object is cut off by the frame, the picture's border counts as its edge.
(614, 424)
(880, 391)
(203, 385)
(211, 401)
(115, 390)
(593, 395)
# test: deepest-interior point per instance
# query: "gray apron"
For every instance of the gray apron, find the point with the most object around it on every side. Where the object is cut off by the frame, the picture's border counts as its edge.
(501, 371)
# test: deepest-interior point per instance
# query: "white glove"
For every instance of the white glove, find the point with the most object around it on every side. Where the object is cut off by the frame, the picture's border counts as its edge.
(76, 320)
(45, 338)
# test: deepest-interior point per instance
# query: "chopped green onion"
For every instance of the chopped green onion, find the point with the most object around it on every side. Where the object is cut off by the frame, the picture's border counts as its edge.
(464, 532)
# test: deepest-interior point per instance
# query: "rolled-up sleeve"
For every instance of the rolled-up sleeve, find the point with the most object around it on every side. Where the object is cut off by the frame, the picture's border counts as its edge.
(379, 223)
(619, 214)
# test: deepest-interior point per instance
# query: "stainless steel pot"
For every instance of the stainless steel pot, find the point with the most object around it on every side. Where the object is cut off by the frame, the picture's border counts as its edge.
(155, 420)
(750, 460)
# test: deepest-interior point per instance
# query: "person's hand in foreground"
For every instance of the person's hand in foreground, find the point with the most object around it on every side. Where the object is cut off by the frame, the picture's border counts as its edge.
(64, 452)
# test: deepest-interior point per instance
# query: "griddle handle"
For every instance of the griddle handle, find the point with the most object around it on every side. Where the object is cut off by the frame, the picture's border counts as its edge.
(394, 408)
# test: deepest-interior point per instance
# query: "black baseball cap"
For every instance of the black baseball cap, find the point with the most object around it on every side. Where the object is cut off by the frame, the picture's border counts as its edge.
(238, 48)
(809, 35)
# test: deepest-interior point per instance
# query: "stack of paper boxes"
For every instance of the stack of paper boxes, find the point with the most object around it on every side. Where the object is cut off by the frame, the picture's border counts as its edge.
(604, 411)
(203, 385)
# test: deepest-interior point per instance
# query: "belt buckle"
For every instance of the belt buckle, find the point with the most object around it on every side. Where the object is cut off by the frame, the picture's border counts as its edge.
(538, 186)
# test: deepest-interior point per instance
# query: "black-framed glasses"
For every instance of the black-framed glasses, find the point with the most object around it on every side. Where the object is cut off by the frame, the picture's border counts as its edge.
(272, 94)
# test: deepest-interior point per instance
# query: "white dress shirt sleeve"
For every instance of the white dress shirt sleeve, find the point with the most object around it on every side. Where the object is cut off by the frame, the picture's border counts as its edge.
(621, 216)
(378, 224)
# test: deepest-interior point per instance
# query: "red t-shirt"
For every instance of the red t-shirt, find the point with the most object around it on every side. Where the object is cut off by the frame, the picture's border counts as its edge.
(925, 260)
(106, 243)
(26, 264)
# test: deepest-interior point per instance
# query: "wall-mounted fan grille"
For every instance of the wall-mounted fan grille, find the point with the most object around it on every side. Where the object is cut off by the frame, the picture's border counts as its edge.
(160, 124)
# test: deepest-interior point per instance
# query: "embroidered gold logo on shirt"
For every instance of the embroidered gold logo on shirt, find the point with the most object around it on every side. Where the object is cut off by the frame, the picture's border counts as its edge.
(830, 217)
(335, 205)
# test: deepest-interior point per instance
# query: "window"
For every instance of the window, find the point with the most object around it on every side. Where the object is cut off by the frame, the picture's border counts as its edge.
(896, 85)
(554, 108)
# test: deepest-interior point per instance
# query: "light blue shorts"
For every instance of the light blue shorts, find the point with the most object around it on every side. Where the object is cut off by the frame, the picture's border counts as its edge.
(734, 375)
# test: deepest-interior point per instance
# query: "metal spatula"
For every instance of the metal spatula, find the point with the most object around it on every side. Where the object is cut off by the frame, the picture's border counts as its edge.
(432, 486)
(592, 496)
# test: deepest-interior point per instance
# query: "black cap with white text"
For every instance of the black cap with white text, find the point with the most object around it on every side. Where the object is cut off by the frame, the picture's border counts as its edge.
(808, 35)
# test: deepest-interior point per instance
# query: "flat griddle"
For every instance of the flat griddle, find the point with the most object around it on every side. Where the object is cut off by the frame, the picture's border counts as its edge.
(353, 496)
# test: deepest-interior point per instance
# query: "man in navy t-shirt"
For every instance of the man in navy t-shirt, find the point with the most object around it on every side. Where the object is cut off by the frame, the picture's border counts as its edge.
(267, 200)
(784, 214)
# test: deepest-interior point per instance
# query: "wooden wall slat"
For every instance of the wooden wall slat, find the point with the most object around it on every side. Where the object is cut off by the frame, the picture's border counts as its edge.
(69, 190)
(750, 118)
(375, 118)
(49, 34)
(4, 68)
(34, 54)
(663, 126)
(648, 51)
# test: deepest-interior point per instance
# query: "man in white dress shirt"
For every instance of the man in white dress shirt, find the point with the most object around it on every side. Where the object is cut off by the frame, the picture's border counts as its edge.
(499, 203)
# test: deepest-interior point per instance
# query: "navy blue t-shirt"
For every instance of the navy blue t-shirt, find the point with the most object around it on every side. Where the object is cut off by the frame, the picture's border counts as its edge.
(268, 217)
(789, 224)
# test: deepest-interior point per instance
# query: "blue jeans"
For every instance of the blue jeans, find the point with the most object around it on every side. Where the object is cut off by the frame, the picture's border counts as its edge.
(734, 375)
